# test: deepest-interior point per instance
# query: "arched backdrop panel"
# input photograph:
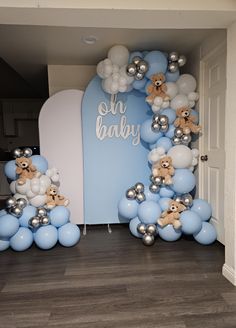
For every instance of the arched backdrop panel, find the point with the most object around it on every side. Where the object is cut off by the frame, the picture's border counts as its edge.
(61, 143)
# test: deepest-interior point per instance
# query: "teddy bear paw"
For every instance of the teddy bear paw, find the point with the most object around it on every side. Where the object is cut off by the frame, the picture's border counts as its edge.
(149, 100)
(38, 174)
(21, 182)
(66, 203)
(159, 221)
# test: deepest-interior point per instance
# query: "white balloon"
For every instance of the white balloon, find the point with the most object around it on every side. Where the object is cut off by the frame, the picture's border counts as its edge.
(181, 155)
(22, 189)
(158, 101)
(165, 104)
(186, 83)
(156, 109)
(119, 55)
(194, 96)
(172, 89)
(179, 101)
(106, 84)
(191, 103)
(13, 187)
(18, 195)
(195, 152)
(39, 200)
(194, 161)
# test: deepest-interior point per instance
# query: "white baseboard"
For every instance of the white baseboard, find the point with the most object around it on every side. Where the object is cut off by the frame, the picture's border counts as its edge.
(229, 273)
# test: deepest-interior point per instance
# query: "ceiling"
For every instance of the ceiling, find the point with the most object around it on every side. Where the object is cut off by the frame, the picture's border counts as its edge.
(29, 49)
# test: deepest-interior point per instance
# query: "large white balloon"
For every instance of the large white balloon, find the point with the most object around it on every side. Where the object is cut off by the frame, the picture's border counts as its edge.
(172, 89)
(179, 101)
(186, 84)
(182, 156)
(119, 55)
(39, 200)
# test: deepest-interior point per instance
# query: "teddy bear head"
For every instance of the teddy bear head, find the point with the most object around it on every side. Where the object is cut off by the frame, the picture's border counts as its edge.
(183, 112)
(52, 190)
(166, 162)
(176, 206)
(23, 162)
(158, 79)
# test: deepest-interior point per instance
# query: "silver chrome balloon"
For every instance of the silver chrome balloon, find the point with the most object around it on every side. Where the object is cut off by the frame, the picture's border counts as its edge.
(27, 152)
(140, 197)
(142, 66)
(16, 211)
(176, 141)
(155, 127)
(44, 220)
(186, 139)
(157, 180)
(10, 202)
(17, 152)
(148, 240)
(182, 60)
(34, 222)
(163, 120)
(141, 228)
(136, 60)
(131, 69)
(187, 200)
(151, 229)
(156, 118)
(154, 188)
(178, 132)
(178, 199)
(41, 212)
(139, 187)
(21, 202)
(131, 193)
(173, 67)
(173, 56)
(164, 128)
(139, 76)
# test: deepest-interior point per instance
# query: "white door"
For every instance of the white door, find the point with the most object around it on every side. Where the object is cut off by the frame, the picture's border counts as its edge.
(212, 141)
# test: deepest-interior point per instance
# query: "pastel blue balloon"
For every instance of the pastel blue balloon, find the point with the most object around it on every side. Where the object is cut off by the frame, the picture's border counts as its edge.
(46, 237)
(3, 212)
(40, 162)
(202, 208)
(146, 132)
(207, 235)
(139, 84)
(165, 143)
(135, 54)
(166, 191)
(168, 233)
(22, 240)
(145, 52)
(59, 216)
(69, 234)
(191, 222)
(164, 203)
(149, 212)
(183, 181)
(10, 170)
(171, 132)
(196, 115)
(9, 225)
(128, 208)
(4, 244)
(28, 212)
(170, 113)
(150, 195)
(143, 90)
(172, 77)
(153, 145)
(133, 227)
(157, 62)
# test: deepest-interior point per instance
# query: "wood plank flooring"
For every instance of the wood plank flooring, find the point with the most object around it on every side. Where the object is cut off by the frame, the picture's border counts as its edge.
(112, 280)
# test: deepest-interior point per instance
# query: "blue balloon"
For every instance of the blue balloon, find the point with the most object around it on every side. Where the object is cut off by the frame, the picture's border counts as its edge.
(59, 216)
(172, 77)
(139, 84)
(171, 131)
(165, 143)
(40, 162)
(68, 234)
(133, 227)
(164, 203)
(3, 212)
(166, 191)
(191, 222)
(146, 132)
(10, 170)
(157, 62)
(202, 208)
(170, 113)
(183, 181)
(128, 208)
(9, 225)
(153, 145)
(150, 195)
(207, 235)
(28, 212)
(46, 237)
(135, 54)
(168, 233)
(196, 115)
(4, 244)
(22, 240)
(149, 212)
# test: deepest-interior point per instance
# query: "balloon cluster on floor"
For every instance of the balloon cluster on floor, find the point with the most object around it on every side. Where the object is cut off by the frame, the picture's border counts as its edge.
(35, 212)
(164, 208)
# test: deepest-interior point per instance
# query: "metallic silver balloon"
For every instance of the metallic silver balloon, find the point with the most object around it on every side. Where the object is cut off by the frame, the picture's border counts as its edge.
(176, 141)
(17, 152)
(141, 228)
(41, 212)
(140, 197)
(155, 127)
(139, 187)
(10, 202)
(16, 211)
(27, 152)
(21, 202)
(148, 240)
(163, 120)
(156, 118)
(178, 132)
(154, 188)
(173, 67)
(131, 193)
(131, 69)
(34, 222)
(186, 139)
(157, 181)
(136, 60)
(44, 220)
(178, 199)
(139, 76)
(142, 66)
(173, 56)
(164, 128)
(182, 60)
(151, 229)
(187, 200)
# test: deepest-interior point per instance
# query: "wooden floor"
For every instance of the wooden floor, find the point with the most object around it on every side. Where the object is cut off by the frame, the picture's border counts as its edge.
(112, 280)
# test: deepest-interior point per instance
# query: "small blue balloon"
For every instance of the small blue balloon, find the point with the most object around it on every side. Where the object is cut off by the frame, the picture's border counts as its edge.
(157, 62)
(139, 84)
(196, 115)
(40, 162)
(22, 240)
(46, 237)
(133, 227)
(207, 235)
(68, 234)
(171, 131)
(128, 208)
(153, 145)
(202, 208)
(28, 212)
(4, 244)
(168, 233)
(59, 216)
(10, 170)
(170, 113)
(165, 143)
(191, 222)
(172, 77)
(164, 203)
(3, 212)
(150, 195)
(9, 225)
(135, 54)
(146, 132)
(149, 212)
(183, 181)
(166, 191)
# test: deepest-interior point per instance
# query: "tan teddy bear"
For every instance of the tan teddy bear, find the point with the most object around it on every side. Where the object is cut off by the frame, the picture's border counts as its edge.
(25, 169)
(157, 88)
(54, 199)
(172, 215)
(164, 169)
(185, 121)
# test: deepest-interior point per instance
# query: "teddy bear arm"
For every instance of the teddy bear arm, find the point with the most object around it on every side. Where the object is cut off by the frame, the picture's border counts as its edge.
(164, 214)
(163, 87)
(33, 168)
(177, 122)
(171, 170)
(150, 88)
(18, 170)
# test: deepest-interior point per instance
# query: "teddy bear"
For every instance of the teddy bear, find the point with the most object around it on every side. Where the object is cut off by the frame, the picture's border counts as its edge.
(172, 215)
(54, 199)
(164, 169)
(185, 121)
(157, 88)
(25, 169)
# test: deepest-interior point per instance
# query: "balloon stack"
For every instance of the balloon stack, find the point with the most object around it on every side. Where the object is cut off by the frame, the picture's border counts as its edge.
(160, 123)
(175, 61)
(136, 192)
(148, 231)
(35, 212)
(137, 68)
